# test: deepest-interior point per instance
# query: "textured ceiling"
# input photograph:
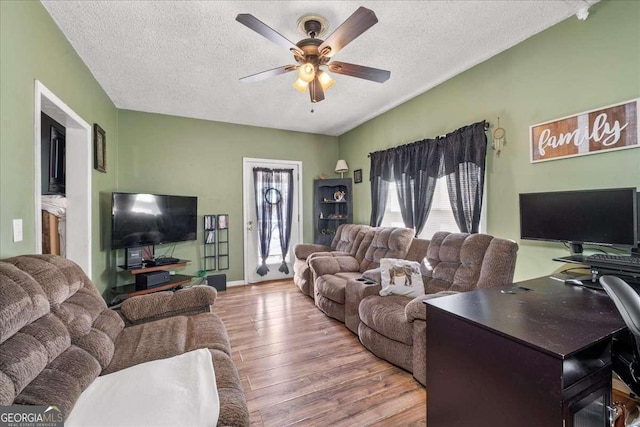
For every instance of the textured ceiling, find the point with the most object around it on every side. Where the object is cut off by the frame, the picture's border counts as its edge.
(184, 58)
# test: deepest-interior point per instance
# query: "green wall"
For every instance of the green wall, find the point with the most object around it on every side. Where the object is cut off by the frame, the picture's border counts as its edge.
(33, 48)
(569, 68)
(174, 155)
(572, 67)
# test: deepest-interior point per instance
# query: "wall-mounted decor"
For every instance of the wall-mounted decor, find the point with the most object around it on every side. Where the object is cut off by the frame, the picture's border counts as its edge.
(99, 148)
(608, 128)
(357, 176)
(498, 141)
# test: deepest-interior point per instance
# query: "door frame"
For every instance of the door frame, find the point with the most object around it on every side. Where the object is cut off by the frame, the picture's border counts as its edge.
(78, 176)
(246, 205)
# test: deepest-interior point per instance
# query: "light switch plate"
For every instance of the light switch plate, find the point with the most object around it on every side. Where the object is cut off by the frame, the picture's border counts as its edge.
(17, 230)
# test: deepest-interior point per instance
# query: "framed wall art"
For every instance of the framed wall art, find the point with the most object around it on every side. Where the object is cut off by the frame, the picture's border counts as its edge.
(357, 176)
(99, 148)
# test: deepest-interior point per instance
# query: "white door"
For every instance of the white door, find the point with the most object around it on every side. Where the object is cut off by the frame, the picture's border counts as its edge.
(252, 258)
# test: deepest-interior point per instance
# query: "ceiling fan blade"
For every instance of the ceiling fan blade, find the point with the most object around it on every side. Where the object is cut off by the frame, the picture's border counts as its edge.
(266, 31)
(359, 71)
(315, 90)
(269, 73)
(361, 20)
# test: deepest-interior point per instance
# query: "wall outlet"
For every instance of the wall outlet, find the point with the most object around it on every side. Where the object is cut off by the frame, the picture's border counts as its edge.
(17, 230)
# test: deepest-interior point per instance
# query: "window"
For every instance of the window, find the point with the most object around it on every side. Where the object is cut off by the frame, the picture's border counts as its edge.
(440, 216)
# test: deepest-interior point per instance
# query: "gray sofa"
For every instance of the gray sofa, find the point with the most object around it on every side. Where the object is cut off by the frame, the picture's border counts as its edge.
(347, 240)
(331, 274)
(57, 335)
(393, 327)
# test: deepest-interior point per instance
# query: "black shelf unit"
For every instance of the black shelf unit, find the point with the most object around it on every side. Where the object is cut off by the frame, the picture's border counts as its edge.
(329, 210)
(210, 242)
(223, 242)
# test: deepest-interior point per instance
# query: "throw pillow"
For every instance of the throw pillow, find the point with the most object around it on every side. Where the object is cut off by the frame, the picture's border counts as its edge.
(401, 277)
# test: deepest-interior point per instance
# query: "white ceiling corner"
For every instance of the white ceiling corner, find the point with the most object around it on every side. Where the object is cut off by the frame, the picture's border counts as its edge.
(185, 58)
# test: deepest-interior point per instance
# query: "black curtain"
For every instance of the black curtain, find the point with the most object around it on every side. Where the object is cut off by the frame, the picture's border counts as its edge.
(465, 152)
(428, 158)
(403, 173)
(414, 168)
(274, 198)
(379, 176)
(261, 183)
(283, 182)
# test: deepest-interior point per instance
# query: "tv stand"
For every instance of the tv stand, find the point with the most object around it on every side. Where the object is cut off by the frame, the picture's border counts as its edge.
(118, 294)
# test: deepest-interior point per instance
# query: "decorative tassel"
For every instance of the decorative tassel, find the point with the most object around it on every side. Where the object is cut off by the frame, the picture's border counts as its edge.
(284, 268)
(263, 269)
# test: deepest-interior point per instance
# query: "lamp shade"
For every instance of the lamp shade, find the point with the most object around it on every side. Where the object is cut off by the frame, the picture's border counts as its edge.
(342, 166)
(301, 85)
(306, 72)
(326, 81)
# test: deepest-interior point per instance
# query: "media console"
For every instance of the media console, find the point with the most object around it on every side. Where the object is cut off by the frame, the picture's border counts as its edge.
(119, 293)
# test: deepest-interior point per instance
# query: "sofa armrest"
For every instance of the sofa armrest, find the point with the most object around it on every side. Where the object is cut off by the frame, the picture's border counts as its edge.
(375, 275)
(166, 304)
(303, 250)
(355, 291)
(332, 265)
(416, 309)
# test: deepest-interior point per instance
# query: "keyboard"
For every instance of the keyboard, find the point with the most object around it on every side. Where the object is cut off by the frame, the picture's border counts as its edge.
(161, 261)
(618, 261)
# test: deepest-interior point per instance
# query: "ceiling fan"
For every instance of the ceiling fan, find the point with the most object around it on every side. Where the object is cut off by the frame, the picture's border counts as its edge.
(313, 55)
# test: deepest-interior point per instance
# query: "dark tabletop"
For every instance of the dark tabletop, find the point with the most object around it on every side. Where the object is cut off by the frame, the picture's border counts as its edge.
(556, 318)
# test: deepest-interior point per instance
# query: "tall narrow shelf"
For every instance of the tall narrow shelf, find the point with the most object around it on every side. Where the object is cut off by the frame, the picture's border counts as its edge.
(223, 242)
(332, 206)
(210, 242)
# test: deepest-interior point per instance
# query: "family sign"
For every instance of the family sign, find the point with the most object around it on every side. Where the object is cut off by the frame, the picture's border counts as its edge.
(605, 129)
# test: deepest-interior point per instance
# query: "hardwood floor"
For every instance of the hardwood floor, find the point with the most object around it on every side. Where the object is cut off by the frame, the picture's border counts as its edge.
(300, 367)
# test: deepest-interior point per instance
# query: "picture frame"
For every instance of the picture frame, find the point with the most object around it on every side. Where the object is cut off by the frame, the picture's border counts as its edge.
(357, 176)
(99, 148)
(223, 221)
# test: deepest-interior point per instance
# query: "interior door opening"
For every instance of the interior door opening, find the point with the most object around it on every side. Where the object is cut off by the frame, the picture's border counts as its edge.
(77, 170)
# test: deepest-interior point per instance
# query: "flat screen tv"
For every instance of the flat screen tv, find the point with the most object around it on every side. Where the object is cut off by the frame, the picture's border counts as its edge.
(599, 217)
(152, 219)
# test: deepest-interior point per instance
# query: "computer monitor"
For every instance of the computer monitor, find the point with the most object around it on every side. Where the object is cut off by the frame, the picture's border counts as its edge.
(606, 217)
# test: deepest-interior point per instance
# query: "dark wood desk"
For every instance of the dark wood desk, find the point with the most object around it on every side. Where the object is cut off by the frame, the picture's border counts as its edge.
(528, 358)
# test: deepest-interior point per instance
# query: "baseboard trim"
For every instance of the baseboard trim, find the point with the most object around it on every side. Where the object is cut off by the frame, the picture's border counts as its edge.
(236, 283)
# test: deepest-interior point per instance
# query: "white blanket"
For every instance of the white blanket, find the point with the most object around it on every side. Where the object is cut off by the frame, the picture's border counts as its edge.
(179, 391)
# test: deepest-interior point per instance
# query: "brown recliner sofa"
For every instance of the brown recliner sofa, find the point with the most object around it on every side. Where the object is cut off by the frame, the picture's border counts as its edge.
(331, 274)
(347, 240)
(57, 335)
(393, 327)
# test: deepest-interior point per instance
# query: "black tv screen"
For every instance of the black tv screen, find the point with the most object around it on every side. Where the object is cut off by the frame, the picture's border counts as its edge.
(151, 219)
(602, 217)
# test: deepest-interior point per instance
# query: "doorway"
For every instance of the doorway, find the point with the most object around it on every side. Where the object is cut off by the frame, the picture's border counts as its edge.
(252, 256)
(78, 176)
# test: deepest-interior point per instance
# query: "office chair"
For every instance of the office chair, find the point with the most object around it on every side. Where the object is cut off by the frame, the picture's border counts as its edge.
(626, 358)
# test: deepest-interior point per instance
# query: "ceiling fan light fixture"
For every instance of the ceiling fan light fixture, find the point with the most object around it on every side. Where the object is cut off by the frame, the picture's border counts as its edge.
(326, 81)
(301, 85)
(306, 72)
